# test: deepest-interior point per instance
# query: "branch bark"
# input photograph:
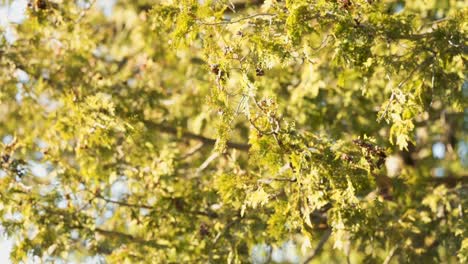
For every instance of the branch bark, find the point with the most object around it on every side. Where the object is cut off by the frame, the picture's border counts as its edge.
(66, 218)
(190, 135)
(390, 255)
(129, 238)
(225, 22)
(144, 206)
(451, 180)
(319, 247)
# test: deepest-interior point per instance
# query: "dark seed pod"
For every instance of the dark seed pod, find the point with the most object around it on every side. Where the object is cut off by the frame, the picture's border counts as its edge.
(215, 68)
(5, 158)
(259, 72)
(204, 230)
(357, 21)
(41, 4)
(179, 203)
(37, 4)
(346, 4)
(380, 162)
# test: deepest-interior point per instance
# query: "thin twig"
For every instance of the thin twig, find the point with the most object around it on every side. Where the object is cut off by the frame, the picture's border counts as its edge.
(85, 10)
(387, 107)
(319, 247)
(259, 130)
(124, 203)
(207, 162)
(269, 180)
(438, 21)
(235, 21)
(400, 85)
(189, 135)
(192, 151)
(124, 237)
(322, 45)
(130, 238)
(390, 255)
(149, 207)
(225, 229)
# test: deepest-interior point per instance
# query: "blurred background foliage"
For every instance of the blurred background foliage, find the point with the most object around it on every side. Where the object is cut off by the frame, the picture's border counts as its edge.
(234, 131)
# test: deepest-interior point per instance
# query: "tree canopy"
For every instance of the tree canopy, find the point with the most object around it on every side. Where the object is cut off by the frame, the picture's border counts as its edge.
(235, 131)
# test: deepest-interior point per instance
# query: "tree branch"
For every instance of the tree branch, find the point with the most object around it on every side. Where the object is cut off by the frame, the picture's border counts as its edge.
(144, 206)
(450, 180)
(235, 20)
(390, 255)
(400, 85)
(192, 151)
(319, 247)
(67, 218)
(129, 238)
(124, 203)
(226, 229)
(190, 135)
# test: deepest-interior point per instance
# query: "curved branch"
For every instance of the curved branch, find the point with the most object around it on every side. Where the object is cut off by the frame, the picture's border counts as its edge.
(190, 135)
(236, 20)
(149, 207)
(319, 247)
(390, 255)
(129, 238)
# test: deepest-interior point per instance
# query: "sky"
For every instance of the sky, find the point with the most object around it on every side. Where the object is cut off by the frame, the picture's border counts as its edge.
(5, 247)
(11, 13)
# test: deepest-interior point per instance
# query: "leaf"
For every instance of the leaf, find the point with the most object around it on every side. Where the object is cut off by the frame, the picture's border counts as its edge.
(257, 198)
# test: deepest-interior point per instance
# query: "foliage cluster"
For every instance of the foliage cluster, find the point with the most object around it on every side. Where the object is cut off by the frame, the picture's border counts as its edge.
(194, 131)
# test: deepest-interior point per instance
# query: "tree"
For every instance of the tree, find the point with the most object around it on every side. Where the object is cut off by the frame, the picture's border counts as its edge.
(215, 131)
